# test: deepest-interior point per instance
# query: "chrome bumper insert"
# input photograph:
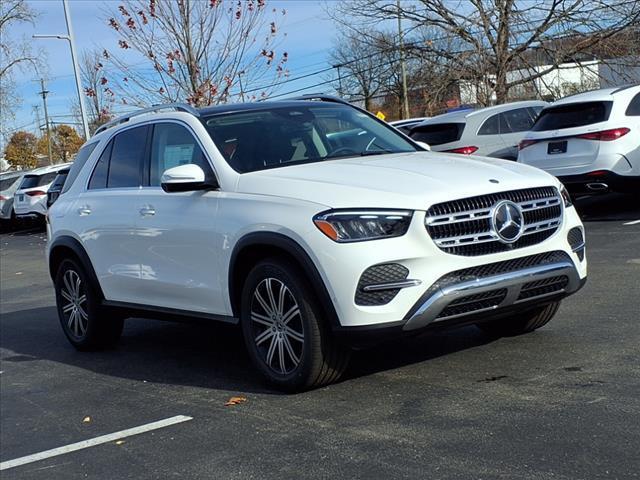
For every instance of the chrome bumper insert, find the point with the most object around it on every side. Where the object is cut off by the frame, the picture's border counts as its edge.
(495, 291)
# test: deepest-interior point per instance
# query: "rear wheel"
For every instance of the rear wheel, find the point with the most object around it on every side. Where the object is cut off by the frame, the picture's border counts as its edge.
(530, 321)
(83, 321)
(283, 328)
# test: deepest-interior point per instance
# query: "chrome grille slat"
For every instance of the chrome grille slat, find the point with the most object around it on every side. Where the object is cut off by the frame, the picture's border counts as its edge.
(463, 227)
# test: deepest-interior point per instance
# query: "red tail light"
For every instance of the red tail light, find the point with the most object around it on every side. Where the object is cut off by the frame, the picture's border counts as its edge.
(463, 150)
(35, 193)
(2, 197)
(605, 135)
(526, 143)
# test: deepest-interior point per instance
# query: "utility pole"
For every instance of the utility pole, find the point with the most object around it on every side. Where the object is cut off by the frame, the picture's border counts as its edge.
(403, 70)
(340, 92)
(36, 113)
(44, 94)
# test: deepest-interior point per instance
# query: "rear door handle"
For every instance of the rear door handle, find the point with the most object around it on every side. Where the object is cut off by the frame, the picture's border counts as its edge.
(147, 211)
(84, 210)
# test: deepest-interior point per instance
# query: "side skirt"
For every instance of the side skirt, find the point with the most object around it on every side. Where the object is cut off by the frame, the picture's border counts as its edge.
(169, 314)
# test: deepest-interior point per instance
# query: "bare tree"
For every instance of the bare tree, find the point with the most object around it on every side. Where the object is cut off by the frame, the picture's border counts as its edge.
(94, 80)
(202, 52)
(14, 54)
(496, 37)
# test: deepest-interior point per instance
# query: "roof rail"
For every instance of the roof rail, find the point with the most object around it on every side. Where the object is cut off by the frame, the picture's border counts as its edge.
(179, 107)
(323, 97)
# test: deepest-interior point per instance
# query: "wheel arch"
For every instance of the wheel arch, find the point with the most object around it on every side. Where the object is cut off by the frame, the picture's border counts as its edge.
(68, 247)
(254, 247)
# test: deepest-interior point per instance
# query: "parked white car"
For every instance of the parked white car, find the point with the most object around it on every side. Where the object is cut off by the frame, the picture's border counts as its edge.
(309, 222)
(590, 141)
(30, 200)
(9, 183)
(407, 124)
(490, 132)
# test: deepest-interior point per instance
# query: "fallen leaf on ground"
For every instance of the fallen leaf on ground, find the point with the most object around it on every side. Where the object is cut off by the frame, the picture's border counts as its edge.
(119, 442)
(235, 401)
(18, 273)
(86, 420)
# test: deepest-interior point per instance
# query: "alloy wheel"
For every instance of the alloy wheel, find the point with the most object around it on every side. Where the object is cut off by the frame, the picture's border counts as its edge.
(277, 326)
(74, 304)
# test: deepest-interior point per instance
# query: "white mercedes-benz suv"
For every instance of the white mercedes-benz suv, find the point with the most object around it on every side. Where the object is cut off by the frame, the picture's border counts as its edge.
(309, 222)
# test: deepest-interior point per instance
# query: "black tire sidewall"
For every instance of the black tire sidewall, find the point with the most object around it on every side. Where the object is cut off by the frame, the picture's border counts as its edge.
(288, 275)
(93, 328)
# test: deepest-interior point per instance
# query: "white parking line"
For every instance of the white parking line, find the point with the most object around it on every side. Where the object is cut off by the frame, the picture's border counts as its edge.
(94, 441)
(632, 222)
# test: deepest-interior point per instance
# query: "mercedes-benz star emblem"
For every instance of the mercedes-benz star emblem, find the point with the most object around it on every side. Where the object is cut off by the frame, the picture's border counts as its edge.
(507, 221)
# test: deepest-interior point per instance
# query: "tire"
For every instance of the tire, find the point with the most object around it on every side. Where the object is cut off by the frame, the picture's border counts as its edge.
(83, 321)
(530, 321)
(284, 332)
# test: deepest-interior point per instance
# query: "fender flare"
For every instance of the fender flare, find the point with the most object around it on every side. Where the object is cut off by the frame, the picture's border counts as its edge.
(299, 254)
(76, 247)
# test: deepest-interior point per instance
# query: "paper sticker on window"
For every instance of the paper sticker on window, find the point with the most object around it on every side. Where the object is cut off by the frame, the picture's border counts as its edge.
(175, 155)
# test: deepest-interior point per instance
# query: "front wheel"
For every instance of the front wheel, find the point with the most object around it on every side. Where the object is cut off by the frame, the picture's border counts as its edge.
(517, 325)
(84, 323)
(283, 329)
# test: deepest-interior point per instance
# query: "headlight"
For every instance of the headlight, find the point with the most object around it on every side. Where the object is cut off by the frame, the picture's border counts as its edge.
(565, 196)
(359, 225)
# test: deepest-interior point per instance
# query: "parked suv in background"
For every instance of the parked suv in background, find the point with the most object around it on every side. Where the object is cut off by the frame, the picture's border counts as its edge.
(490, 132)
(590, 141)
(309, 222)
(30, 199)
(56, 187)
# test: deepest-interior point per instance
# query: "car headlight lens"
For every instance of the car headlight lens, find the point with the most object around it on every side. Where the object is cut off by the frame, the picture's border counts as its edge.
(359, 225)
(565, 196)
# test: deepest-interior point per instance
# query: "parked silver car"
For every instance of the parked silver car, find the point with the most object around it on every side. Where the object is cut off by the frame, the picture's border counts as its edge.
(490, 132)
(9, 183)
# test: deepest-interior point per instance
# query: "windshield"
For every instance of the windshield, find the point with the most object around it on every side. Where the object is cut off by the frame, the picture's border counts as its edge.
(282, 136)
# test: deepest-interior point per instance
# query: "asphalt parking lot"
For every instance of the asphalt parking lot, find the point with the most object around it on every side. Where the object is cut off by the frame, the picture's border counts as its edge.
(560, 403)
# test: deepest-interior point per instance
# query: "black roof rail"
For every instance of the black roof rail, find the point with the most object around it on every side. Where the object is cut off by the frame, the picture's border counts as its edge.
(323, 97)
(624, 87)
(179, 107)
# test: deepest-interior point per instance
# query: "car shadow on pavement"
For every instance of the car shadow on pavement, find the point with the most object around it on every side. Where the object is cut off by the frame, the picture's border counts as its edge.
(608, 207)
(196, 355)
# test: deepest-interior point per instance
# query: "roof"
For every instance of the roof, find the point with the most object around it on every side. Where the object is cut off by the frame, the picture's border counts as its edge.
(602, 94)
(254, 106)
(48, 169)
(462, 115)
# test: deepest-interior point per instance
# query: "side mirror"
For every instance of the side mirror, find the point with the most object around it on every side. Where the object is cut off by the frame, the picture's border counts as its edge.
(185, 178)
(424, 145)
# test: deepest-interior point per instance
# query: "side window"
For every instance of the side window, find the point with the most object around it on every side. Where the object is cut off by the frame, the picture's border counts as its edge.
(174, 145)
(517, 120)
(101, 170)
(81, 158)
(633, 110)
(490, 126)
(127, 158)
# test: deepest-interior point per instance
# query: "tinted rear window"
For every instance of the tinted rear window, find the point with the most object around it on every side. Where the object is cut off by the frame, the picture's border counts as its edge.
(31, 181)
(6, 183)
(633, 110)
(437, 134)
(572, 115)
(60, 180)
(78, 163)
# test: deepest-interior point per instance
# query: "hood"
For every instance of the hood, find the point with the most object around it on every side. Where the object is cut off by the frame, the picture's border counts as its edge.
(405, 180)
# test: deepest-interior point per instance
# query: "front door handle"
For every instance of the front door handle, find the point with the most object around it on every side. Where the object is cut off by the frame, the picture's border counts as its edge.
(84, 210)
(147, 211)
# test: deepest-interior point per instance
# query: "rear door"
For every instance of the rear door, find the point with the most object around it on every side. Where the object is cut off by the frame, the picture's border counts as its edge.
(556, 133)
(106, 214)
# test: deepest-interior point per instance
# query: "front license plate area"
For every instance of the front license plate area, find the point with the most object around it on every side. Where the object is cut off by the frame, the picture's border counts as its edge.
(557, 147)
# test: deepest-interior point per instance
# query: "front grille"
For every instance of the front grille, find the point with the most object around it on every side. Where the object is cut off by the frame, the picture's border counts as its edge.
(473, 303)
(464, 227)
(543, 287)
(377, 274)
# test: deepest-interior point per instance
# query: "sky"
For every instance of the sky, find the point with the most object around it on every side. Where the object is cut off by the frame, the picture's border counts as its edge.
(309, 38)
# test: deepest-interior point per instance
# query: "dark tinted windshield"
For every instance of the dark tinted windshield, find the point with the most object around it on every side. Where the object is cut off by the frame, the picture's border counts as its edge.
(30, 181)
(572, 115)
(281, 136)
(437, 134)
(58, 182)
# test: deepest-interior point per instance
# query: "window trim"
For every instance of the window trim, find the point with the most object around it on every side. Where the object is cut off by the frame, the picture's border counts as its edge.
(635, 98)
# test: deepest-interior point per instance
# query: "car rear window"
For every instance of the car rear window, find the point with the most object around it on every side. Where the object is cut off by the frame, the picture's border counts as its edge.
(30, 181)
(7, 183)
(633, 110)
(572, 115)
(438, 134)
(60, 179)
